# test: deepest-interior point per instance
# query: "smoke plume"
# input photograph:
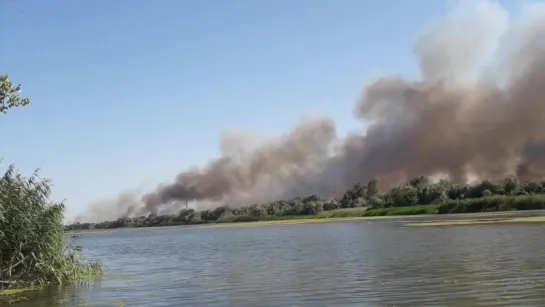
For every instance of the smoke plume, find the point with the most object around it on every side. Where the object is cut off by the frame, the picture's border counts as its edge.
(478, 109)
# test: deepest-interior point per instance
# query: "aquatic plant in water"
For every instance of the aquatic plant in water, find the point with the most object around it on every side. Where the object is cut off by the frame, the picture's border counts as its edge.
(33, 250)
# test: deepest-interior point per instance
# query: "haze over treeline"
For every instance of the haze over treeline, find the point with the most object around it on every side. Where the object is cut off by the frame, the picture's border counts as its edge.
(477, 111)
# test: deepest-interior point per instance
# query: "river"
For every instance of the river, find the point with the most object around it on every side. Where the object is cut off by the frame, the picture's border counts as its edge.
(358, 263)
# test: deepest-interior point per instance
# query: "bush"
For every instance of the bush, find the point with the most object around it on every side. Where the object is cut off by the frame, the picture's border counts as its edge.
(493, 203)
(487, 193)
(33, 251)
(405, 196)
(312, 207)
(376, 202)
(331, 204)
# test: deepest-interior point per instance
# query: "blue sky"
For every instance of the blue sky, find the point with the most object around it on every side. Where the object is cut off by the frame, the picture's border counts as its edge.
(127, 93)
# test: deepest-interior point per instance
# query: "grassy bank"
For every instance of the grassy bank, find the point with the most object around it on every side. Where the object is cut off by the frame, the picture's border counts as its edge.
(478, 205)
(497, 203)
(332, 214)
(412, 210)
(33, 249)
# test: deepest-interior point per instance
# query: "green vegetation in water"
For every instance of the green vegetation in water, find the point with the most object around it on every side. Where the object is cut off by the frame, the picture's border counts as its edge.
(33, 250)
(418, 196)
(9, 292)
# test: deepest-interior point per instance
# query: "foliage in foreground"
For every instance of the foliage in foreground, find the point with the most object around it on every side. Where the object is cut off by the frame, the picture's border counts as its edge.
(418, 196)
(33, 250)
(9, 95)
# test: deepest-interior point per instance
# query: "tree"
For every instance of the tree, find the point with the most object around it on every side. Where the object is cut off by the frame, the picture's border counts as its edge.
(219, 211)
(376, 202)
(419, 181)
(432, 193)
(511, 186)
(331, 204)
(351, 195)
(487, 193)
(9, 95)
(494, 186)
(459, 191)
(405, 196)
(372, 188)
(312, 207)
(257, 211)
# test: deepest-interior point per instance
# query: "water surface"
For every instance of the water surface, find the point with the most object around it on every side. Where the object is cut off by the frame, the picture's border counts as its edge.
(365, 263)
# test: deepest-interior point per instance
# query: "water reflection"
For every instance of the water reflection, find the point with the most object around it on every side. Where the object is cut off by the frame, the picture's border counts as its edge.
(338, 264)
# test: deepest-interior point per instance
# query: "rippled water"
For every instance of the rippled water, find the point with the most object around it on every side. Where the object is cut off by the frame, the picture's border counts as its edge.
(379, 263)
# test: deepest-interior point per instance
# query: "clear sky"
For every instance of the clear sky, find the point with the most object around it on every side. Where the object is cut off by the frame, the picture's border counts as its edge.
(127, 93)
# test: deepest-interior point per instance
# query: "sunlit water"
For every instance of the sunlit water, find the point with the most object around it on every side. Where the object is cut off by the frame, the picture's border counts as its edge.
(378, 263)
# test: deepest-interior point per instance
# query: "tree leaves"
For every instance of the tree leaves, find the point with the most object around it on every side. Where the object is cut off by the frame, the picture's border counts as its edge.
(9, 95)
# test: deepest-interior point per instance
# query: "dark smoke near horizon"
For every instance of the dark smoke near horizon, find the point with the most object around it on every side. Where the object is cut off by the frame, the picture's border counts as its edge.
(478, 111)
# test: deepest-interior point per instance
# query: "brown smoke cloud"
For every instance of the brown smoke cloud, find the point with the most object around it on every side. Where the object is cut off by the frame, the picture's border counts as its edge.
(478, 109)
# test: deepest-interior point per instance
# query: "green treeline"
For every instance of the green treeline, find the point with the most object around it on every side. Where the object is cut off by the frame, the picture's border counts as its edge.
(418, 196)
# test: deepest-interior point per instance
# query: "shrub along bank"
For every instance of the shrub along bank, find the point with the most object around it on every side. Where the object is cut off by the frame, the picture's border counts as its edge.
(33, 250)
(493, 203)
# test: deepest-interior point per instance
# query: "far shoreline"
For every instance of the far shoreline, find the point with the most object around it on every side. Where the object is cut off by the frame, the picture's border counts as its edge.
(306, 220)
(451, 219)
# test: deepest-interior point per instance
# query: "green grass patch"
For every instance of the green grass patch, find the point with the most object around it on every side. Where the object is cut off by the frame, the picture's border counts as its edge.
(340, 213)
(15, 291)
(412, 210)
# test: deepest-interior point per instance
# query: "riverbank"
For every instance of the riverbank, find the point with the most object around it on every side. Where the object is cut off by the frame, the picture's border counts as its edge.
(534, 216)
(351, 214)
(496, 203)
(346, 214)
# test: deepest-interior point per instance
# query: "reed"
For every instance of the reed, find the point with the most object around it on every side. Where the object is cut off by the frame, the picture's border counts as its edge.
(33, 249)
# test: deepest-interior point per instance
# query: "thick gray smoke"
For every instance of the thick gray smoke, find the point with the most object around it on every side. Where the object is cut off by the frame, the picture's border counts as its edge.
(477, 110)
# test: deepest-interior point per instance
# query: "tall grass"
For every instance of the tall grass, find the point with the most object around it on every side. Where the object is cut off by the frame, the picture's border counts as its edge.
(33, 251)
